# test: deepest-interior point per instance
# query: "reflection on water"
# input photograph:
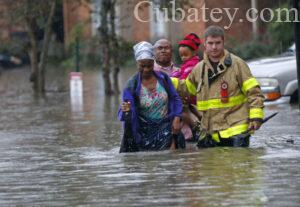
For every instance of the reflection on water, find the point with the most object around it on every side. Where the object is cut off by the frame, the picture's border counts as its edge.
(50, 155)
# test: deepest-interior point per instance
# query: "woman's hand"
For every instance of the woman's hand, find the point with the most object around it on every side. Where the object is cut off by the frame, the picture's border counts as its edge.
(126, 106)
(173, 145)
(176, 126)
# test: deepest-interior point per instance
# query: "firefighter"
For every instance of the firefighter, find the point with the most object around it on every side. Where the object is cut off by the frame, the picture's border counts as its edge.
(229, 98)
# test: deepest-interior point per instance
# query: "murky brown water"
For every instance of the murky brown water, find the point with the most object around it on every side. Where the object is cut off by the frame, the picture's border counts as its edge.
(51, 156)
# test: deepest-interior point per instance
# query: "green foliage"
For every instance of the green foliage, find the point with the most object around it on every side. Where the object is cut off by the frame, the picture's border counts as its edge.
(56, 52)
(88, 50)
(90, 54)
(76, 32)
(59, 55)
(281, 33)
(15, 47)
(250, 50)
(279, 37)
(126, 52)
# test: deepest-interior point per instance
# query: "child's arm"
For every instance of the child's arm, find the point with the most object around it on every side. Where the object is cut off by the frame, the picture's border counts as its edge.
(176, 74)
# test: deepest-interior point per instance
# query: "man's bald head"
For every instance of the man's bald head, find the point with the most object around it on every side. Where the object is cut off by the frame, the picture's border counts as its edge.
(163, 52)
(162, 42)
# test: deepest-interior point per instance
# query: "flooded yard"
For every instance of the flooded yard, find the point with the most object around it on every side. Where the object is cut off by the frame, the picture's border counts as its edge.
(53, 156)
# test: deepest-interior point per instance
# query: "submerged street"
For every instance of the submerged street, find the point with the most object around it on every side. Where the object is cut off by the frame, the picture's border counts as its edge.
(53, 156)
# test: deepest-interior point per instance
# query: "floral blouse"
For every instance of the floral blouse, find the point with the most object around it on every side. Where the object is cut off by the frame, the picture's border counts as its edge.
(154, 103)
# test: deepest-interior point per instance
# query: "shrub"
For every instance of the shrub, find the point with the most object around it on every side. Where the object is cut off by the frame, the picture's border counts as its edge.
(15, 47)
(250, 50)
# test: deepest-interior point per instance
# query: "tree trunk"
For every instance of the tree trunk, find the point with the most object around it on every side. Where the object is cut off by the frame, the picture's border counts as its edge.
(34, 68)
(33, 55)
(115, 46)
(38, 67)
(104, 42)
(44, 52)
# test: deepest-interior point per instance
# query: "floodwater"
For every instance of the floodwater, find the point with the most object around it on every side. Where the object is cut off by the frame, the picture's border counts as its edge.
(53, 156)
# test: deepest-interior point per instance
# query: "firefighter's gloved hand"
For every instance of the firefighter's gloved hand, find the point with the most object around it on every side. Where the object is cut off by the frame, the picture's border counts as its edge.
(206, 142)
(255, 124)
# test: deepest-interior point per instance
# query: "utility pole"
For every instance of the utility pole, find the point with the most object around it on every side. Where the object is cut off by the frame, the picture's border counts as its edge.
(254, 23)
(296, 5)
(76, 89)
(77, 57)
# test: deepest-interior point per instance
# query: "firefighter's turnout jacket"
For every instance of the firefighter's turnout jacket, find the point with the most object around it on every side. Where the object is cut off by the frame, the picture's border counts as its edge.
(228, 100)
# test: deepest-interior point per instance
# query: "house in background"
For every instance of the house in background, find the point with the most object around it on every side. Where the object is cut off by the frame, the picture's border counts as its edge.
(8, 30)
(131, 29)
(72, 13)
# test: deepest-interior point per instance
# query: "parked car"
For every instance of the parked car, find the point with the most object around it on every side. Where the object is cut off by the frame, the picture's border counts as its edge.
(8, 61)
(277, 76)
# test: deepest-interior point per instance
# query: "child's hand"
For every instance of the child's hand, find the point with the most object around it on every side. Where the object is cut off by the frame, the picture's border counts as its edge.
(176, 126)
(175, 74)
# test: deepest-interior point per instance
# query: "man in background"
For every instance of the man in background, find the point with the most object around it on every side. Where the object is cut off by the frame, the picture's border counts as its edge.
(163, 57)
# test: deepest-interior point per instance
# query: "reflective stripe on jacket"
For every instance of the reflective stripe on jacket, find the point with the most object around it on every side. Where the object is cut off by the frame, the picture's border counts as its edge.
(245, 100)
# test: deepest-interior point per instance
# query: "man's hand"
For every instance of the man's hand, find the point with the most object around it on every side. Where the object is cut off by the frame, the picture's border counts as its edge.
(255, 124)
(176, 126)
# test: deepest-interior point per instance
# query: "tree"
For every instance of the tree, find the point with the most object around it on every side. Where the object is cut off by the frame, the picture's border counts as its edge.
(108, 39)
(282, 32)
(105, 10)
(109, 45)
(110, 42)
(116, 47)
(36, 17)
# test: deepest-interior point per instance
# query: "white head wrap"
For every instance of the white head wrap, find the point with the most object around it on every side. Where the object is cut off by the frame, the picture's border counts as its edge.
(143, 50)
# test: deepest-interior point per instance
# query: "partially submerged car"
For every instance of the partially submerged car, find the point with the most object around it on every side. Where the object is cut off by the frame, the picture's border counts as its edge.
(8, 61)
(277, 76)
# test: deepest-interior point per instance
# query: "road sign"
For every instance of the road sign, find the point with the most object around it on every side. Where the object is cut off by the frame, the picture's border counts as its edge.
(76, 91)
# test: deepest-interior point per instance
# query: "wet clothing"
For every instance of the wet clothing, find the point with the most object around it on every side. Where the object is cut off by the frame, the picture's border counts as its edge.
(154, 104)
(141, 129)
(239, 140)
(227, 98)
(186, 68)
(167, 70)
(143, 50)
(158, 136)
